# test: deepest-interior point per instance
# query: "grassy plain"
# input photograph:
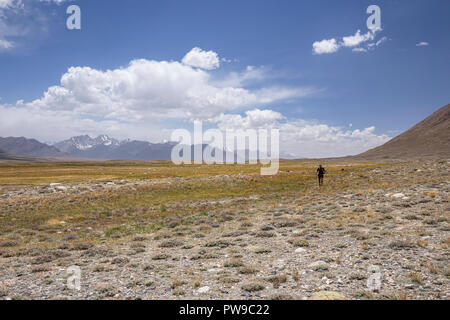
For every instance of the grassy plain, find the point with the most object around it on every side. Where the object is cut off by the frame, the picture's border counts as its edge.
(160, 231)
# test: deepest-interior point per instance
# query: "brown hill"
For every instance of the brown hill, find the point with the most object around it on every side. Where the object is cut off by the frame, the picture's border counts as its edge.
(428, 139)
(6, 156)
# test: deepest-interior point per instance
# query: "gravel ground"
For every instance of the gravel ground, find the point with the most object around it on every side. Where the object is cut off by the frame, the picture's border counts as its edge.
(396, 234)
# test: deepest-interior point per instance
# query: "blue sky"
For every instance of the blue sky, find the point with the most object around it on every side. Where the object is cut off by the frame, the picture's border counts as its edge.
(263, 47)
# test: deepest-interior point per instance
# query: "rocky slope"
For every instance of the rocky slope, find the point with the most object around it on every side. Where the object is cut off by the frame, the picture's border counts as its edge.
(429, 138)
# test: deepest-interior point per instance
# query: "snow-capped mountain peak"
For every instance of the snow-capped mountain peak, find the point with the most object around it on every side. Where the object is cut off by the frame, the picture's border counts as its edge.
(85, 142)
(104, 147)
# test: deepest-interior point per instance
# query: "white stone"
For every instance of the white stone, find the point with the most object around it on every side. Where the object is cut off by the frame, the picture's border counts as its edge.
(398, 195)
(203, 289)
(300, 250)
(318, 265)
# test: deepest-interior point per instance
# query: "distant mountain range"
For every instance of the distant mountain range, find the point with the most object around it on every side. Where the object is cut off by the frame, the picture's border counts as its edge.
(429, 138)
(102, 147)
(106, 148)
(84, 147)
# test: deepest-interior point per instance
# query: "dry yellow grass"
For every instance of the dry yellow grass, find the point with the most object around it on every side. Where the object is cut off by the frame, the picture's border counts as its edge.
(66, 172)
(143, 209)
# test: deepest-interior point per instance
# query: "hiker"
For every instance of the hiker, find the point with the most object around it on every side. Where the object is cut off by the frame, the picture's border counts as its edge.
(320, 173)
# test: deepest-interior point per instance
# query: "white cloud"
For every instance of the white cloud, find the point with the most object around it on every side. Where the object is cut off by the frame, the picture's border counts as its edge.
(356, 42)
(254, 119)
(7, 4)
(422, 44)
(5, 44)
(325, 46)
(382, 40)
(16, 22)
(142, 94)
(6, 29)
(250, 75)
(9, 28)
(199, 58)
(49, 125)
(58, 2)
(300, 138)
(357, 39)
(148, 89)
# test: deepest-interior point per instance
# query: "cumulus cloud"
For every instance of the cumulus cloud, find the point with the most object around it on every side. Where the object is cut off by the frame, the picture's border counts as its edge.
(308, 139)
(148, 89)
(253, 119)
(325, 46)
(199, 58)
(143, 93)
(422, 44)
